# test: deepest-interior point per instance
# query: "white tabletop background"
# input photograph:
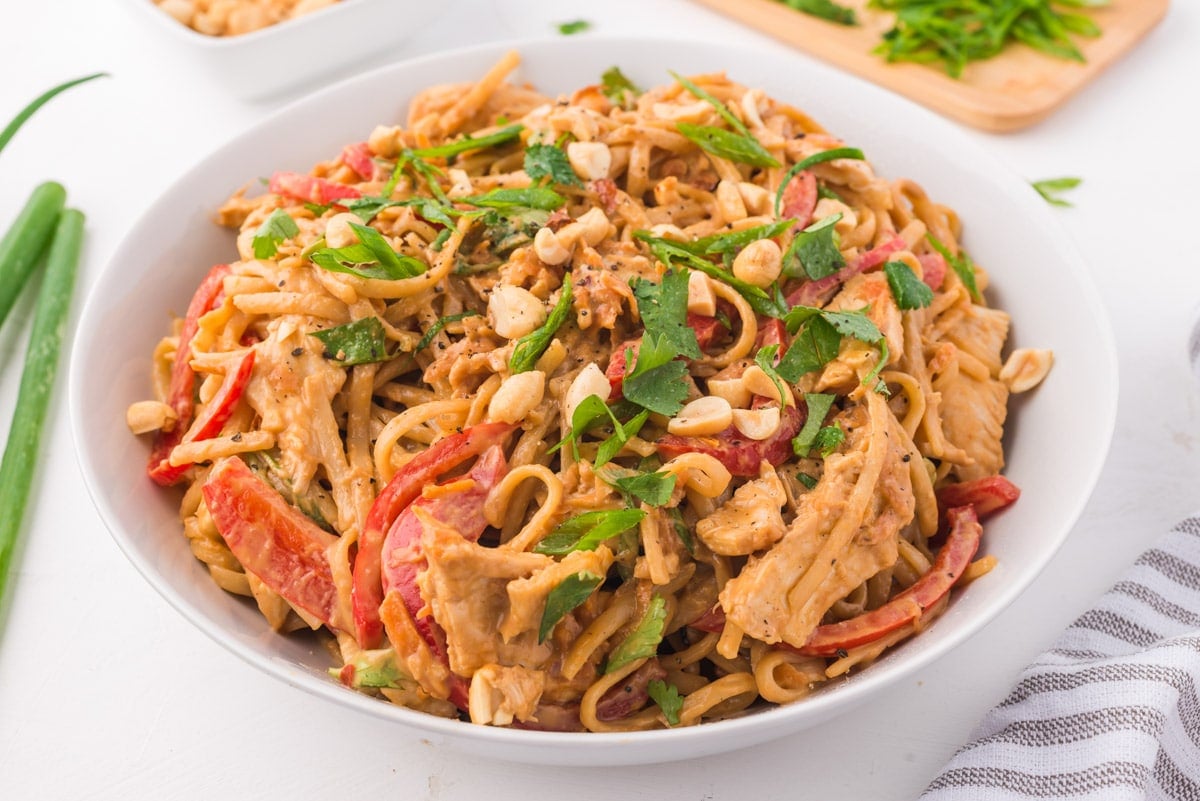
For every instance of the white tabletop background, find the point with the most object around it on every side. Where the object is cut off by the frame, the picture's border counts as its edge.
(107, 693)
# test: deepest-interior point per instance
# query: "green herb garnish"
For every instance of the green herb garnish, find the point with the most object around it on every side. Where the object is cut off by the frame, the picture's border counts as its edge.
(653, 489)
(962, 265)
(818, 408)
(360, 342)
(668, 699)
(909, 291)
(819, 337)
(587, 531)
(1050, 188)
(824, 9)
(815, 252)
(530, 347)
(643, 641)
(468, 143)
(566, 596)
(618, 88)
(370, 257)
(812, 161)
(549, 161)
(441, 323)
(533, 197)
(275, 229)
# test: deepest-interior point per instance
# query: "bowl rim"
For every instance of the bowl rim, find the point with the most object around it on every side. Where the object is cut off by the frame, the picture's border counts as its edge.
(590, 748)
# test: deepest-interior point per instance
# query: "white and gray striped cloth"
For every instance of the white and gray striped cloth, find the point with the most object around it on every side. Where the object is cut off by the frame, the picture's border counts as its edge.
(1112, 711)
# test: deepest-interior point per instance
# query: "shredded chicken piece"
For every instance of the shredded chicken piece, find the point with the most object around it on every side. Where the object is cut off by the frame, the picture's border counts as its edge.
(501, 694)
(527, 596)
(749, 521)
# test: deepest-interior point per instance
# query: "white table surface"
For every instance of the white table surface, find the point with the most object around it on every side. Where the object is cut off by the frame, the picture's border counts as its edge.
(108, 693)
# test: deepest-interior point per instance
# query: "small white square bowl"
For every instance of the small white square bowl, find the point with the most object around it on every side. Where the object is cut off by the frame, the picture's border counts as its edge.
(297, 51)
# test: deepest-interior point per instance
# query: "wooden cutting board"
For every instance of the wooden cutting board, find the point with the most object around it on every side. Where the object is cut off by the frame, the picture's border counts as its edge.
(1017, 88)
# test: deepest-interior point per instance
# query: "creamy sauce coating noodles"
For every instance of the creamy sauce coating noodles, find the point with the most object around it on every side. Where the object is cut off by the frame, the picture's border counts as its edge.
(612, 411)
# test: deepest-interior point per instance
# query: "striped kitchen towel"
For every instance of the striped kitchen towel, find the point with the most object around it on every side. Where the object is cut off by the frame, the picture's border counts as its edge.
(1112, 711)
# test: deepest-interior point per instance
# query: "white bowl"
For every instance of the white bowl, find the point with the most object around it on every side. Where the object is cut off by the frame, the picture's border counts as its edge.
(1056, 445)
(293, 52)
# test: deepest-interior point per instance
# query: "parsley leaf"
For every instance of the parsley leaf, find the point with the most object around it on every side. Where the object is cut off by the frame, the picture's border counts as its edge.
(618, 88)
(566, 595)
(360, 342)
(670, 253)
(819, 336)
(275, 229)
(441, 323)
(961, 264)
(530, 347)
(542, 161)
(814, 252)
(370, 257)
(653, 489)
(575, 26)
(657, 381)
(742, 148)
(643, 641)
(663, 309)
(533, 197)
(854, 324)
(1050, 188)
(587, 531)
(812, 161)
(909, 291)
(818, 408)
(668, 699)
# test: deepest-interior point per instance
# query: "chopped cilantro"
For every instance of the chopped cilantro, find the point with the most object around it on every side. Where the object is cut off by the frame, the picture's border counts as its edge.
(818, 338)
(829, 439)
(360, 342)
(815, 252)
(618, 88)
(812, 161)
(587, 531)
(663, 309)
(653, 489)
(657, 380)
(643, 641)
(668, 699)
(548, 161)
(909, 291)
(818, 408)
(274, 230)
(372, 669)
(370, 257)
(670, 253)
(961, 264)
(566, 596)
(827, 10)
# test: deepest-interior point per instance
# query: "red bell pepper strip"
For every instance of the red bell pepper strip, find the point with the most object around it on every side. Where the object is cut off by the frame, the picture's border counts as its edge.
(183, 379)
(443, 456)
(310, 189)
(740, 454)
(933, 269)
(617, 366)
(800, 199)
(953, 558)
(462, 511)
(272, 539)
(707, 329)
(712, 621)
(214, 418)
(359, 158)
(811, 293)
(988, 495)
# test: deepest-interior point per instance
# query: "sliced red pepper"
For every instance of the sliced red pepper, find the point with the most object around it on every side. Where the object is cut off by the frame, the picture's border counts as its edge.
(617, 366)
(707, 329)
(359, 158)
(800, 199)
(183, 379)
(442, 457)
(712, 621)
(959, 549)
(933, 269)
(272, 539)
(740, 454)
(216, 415)
(988, 495)
(461, 510)
(812, 293)
(310, 189)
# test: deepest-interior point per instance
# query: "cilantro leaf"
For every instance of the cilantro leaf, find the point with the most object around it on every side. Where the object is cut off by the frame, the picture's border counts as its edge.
(742, 148)
(575, 26)
(818, 408)
(372, 669)
(370, 257)
(653, 489)
(530, 347)
(814, 252)
(590, 412)
(643, 641)
(587, 531)
(275, 229)
(812, 161)
(657, 380)
(542, 161)
(961, 264)
(533, 197)
(1050, 188)
(441, 323)
(566, 596)
(829, 439)
(854, 324)
(663, 309)
(668, 699)
(909, 291)
(670, 253)
(360, 342)
(814, 346)
(618, 88)
(621, 434)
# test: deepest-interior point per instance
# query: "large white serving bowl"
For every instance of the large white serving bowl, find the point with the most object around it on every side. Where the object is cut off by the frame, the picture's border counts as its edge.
(1057, 436)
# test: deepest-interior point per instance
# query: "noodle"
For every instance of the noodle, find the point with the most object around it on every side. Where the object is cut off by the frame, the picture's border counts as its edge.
(518, 405)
